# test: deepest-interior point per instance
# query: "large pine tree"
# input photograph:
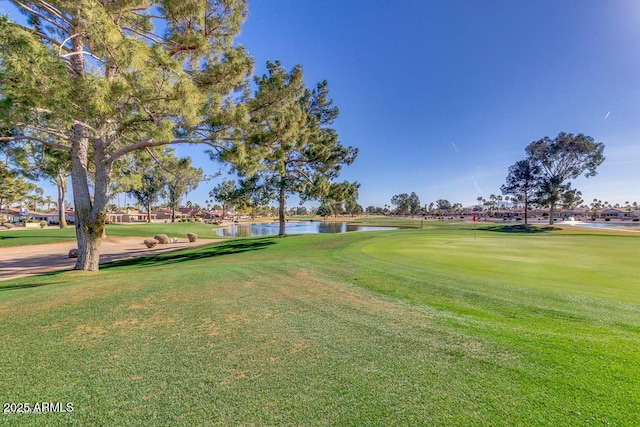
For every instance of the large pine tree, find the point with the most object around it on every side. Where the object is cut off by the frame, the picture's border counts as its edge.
(105, 78)
(288, 146)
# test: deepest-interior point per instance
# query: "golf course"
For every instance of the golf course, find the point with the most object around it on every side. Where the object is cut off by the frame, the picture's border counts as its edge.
(443, 324)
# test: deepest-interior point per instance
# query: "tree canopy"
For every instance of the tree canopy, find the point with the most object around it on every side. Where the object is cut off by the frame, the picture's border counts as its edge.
(522, 182)
(288, 146)
(560, 159)
(402, 203)
(228, 195)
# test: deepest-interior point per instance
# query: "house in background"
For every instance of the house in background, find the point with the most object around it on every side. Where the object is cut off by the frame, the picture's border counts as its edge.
(17, 215)
(128, 215)
(577, 213)
(616, 214)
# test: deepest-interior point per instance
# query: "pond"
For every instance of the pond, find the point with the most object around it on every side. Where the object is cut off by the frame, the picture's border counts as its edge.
(297, 227)
(601, 224)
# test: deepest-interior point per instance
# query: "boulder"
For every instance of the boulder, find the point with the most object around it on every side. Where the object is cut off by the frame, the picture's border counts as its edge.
(192, 237)
(162, 238)
(151, 243)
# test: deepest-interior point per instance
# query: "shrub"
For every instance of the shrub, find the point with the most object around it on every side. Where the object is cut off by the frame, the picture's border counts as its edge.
(43, 224)
(192, 237)
(8, 225)
(607, 219)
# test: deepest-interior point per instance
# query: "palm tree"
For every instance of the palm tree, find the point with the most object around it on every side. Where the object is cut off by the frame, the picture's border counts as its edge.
(49, 201)
(493, 201)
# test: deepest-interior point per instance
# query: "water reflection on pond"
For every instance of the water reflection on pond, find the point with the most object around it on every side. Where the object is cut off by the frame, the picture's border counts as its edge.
(298, 227)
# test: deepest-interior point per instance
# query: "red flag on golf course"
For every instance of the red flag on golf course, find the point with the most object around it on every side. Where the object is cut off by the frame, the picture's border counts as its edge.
(474, 218)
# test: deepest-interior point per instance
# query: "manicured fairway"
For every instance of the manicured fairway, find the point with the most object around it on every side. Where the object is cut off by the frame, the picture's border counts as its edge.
(407, 327)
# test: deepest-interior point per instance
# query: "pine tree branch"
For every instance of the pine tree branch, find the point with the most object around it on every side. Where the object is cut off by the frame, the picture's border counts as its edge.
(32, 138)
(49, 9)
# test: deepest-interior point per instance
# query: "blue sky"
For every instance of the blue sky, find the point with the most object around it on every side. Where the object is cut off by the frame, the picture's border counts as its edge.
(441, 97)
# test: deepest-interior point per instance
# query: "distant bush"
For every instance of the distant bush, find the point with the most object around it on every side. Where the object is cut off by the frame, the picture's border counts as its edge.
(192, 237)
(43, 224)
(607, 219)
(8, 225)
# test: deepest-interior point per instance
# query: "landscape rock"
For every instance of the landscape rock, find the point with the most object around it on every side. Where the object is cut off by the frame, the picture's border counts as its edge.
(151, 243)
(162, 238)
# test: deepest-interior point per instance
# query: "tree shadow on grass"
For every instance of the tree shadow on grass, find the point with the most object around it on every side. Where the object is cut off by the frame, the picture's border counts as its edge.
(27, 286)
(202, 252)
(521, 229)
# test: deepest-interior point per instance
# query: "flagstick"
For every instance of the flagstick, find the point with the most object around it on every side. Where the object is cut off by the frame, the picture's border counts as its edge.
(474, 227)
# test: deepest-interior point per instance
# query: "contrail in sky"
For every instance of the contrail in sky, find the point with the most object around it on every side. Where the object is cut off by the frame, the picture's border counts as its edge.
(476, 184)
(607, 116)
(456, 148)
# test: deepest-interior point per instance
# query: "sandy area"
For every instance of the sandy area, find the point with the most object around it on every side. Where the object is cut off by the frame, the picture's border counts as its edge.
(21, 261)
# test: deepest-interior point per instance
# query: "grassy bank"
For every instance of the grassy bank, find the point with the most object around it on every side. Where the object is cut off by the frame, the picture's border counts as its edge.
(407, 327)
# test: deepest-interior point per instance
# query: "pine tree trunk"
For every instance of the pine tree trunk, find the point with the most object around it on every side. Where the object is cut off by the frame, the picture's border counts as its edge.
(282, 206)
(88, 239)
(62, 190)
(88, 230)
(90, 215)
(89, 244)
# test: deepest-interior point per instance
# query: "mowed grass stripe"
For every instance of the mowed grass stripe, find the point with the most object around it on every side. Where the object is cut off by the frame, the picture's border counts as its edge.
(287, 332)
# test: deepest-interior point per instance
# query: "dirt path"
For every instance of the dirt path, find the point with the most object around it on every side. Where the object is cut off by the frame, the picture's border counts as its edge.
(22, 261)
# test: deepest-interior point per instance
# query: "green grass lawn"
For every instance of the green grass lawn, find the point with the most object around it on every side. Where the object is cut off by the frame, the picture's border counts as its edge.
(406, 327)
(36, 236)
